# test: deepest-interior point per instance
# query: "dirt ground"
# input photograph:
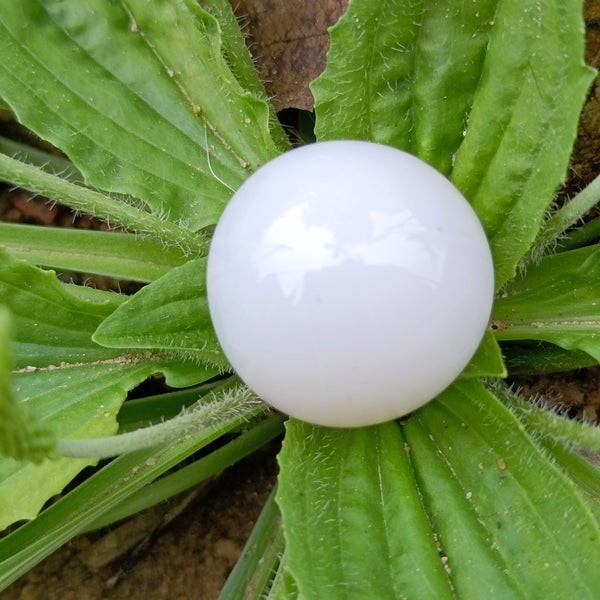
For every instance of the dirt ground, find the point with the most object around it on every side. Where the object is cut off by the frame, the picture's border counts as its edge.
(189, 557)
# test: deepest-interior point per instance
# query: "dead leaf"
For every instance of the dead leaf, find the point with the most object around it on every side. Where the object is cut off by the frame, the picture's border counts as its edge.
(288, 41)
(585, 161)
(591, 9)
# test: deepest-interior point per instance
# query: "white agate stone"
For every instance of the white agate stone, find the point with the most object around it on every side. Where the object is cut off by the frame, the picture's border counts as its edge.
(349, 283)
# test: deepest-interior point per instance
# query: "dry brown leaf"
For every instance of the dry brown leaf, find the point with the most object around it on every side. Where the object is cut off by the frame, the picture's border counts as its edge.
(585, 161)
(288, 40)
(591, 9)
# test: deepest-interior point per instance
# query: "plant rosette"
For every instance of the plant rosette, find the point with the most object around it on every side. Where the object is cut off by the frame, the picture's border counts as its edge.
(349, 283)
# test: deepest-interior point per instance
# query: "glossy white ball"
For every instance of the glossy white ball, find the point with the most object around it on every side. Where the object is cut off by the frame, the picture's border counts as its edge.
(349, 283)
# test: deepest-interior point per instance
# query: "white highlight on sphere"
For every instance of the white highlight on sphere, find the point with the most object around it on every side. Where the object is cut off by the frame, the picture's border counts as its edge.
(349, 283)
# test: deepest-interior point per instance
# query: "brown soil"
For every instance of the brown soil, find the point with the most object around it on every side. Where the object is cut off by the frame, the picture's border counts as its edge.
(187, 558)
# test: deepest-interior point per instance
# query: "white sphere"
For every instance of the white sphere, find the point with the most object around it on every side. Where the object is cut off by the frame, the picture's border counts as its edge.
(349, 283)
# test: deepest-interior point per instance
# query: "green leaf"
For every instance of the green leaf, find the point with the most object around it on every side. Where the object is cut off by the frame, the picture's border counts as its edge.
(556, 301)
(241, 63)
(529, 357)
(21, 436)
(352, 517)
(456, 502)
(510, 523)
(53, 164)
(580, 468)
(588, 233)
(202, 416)
(284, 587)
(488, 92)
(94, 295)
(253, 437)
(117, 255)
(170, 314)
(487, 361)
(69, 384)
(410, 78)
(253, 573)
(104, 491)
(99, 205)
(138, 96)
(523, 122)
(51, 325)
(545, 423)
(573, 211)
(80, 401)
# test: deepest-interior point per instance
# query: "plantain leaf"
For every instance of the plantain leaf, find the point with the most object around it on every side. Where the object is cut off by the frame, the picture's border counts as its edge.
(523, 122)
(537, 358)
(74, 402)
(488, 92)
(555, 301)
(241, 63)
(170, 314)
(487, 361)
(51, 325)
(510, 523)
(457, 502)
(51, 163)
(352, 516)
(70, 386)
(21, 436)
(137, 258)
(138, 96)
(111, 488)
(410, 78)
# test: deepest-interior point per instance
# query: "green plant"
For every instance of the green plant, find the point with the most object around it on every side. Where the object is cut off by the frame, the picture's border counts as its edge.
(162, 116)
